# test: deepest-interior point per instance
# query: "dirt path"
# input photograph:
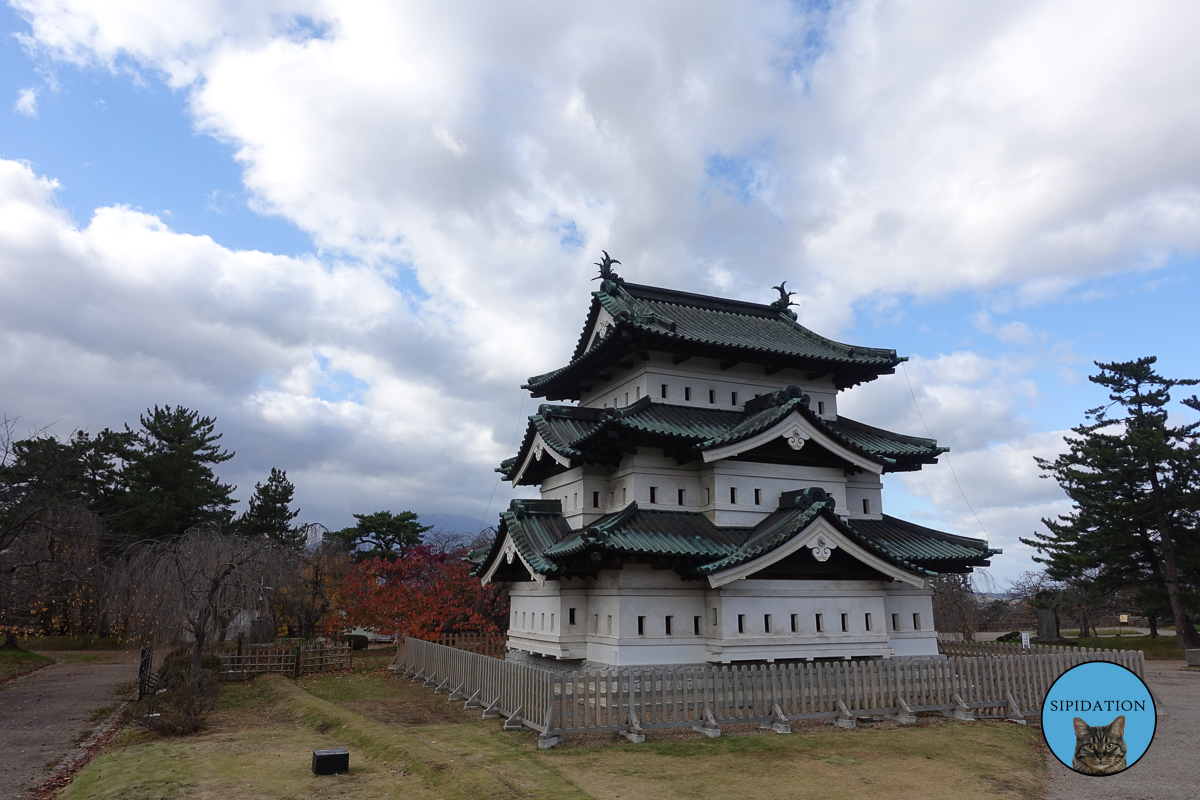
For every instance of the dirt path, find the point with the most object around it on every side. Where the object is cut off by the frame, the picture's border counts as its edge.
(43, 715)
(1170, 769)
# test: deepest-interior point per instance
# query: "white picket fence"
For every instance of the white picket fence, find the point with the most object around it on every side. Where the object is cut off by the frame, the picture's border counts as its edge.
(636, 699)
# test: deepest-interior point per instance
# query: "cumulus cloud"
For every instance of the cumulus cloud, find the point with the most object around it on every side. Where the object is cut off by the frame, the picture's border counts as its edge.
(479, 156)
(915, 149)
(989, 485)
(295, 357)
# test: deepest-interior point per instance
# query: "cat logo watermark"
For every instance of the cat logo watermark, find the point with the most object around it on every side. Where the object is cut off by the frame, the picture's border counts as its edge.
(1099, 718)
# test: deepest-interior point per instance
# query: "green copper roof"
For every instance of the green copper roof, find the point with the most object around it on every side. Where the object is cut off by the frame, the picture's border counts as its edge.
(905, 541)
(535, 526)
(769, 534)
(648, 318)
(633, 531)
(693, 545)
(597, 435)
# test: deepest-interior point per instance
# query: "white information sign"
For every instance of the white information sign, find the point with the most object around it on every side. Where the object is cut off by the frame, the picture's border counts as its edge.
(1025, 641)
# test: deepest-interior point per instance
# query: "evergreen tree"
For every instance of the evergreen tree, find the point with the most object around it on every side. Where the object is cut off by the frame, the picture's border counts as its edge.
(269, 513)
(1135, 483)
(384, 534)
(167, 484)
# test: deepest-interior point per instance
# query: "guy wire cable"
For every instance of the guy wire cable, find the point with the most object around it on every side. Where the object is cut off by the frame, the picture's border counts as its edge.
(953, 474)
(496, 485)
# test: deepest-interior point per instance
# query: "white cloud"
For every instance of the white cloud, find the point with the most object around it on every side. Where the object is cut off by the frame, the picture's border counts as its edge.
(989, 484)
(483, 154)
(926, 148)
(964, 400)
(98, 322)
(26, 102)
(1011, 332)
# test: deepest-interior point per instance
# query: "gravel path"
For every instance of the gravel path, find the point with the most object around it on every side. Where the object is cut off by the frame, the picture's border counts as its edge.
(1170, 768)
(43, 715)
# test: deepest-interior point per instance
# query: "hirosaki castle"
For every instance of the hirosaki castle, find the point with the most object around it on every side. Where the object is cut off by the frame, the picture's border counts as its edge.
(703, 501)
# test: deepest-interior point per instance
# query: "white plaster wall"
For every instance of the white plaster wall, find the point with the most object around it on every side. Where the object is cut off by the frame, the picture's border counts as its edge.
(755, 599)
(772, 480)
(619, 597)
(705, 487)
(539, 618)
(905, 637)
(864, 486)
(702, 375)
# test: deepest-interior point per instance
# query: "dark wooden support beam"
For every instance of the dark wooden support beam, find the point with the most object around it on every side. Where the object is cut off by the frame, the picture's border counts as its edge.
(679, 359)
(604, 376)
(584, 387)
(733, 362)
(815, 376)
(771, 370)
(624, 364)
(637, 348)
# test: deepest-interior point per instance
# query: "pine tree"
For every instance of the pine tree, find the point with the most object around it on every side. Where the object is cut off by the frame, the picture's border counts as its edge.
(384, 534)
(1135, 483)
(167, 484)
(269, 513)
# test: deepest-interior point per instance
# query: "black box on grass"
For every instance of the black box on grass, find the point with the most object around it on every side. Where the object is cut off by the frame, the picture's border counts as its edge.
(331, 762)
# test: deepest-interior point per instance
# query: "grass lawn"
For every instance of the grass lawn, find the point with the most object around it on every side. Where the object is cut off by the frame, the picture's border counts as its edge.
(407, 742)
(13, 662)
(1160, 648)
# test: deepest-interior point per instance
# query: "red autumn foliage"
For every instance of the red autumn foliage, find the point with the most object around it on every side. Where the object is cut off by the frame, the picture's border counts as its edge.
(424, 593)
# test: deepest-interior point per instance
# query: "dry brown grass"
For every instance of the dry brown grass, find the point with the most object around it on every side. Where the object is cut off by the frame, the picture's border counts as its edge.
(407, 742)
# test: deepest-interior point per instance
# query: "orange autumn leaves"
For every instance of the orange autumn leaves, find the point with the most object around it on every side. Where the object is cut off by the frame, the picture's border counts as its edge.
(421, 594)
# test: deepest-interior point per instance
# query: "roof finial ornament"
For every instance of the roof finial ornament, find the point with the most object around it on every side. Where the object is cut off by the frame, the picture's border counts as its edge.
(785, 300)
(608, 277)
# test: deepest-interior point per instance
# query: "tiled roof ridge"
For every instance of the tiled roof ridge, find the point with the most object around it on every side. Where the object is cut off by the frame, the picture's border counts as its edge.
(696, 300)
(849, 351)
(776, 529)
(757, 415)
(715, 548)
(886, 434)
(628, 304)
(511, 520)
(951, 538)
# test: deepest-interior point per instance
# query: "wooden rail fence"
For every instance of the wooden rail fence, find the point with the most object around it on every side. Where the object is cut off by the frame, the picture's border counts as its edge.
(1131, 659)
(488, 644)
(633, 700)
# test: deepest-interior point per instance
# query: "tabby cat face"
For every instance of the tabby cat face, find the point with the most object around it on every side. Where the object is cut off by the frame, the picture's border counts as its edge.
(1099, 750)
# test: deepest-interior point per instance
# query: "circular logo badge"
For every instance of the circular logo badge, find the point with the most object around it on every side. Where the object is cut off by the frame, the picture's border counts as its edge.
(1098, 718)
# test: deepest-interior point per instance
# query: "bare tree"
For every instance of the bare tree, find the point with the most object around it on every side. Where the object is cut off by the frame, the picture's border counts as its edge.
(955, 603)
(1081, 598)
(192, 586)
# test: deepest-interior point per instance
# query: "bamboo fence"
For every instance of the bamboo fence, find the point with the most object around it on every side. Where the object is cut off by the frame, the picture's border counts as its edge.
(295, 661)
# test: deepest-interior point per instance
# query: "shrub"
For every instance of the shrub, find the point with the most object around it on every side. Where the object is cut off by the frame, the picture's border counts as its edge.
(357, 641)
(182, 704)
(1011, 636)
(177, 668)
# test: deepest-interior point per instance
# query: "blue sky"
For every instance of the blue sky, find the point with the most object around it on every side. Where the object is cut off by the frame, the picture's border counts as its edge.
(125, 138)
(350, 231)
